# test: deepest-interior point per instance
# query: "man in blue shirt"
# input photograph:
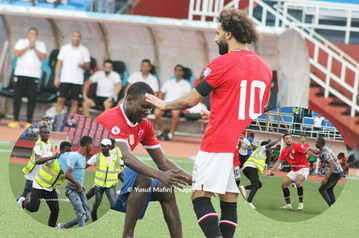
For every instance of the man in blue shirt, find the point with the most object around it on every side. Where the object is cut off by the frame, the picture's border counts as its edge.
(73, 164)
(250, 139)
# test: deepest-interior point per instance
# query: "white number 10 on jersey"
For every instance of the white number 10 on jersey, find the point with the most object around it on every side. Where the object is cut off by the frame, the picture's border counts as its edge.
(243, 97)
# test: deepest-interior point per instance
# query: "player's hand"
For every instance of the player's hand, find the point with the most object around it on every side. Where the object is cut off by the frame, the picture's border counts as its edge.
(57, 154)
(268, 174)
(32, 42)
(324, 181)
(205, 115)
(81, 65)
(79, 189)
(173, 178)
(155, 101)
(57, 82)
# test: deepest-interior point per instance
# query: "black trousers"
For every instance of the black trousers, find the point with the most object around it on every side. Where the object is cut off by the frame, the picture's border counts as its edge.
(252, 175)
(25, 87)
(327, 190)
(51, 200)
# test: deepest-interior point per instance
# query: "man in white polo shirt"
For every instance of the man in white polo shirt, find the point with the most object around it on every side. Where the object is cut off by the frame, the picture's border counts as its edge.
(73, 60)
(29, 52)
(171, 90)
(142, 76)
(108, 86)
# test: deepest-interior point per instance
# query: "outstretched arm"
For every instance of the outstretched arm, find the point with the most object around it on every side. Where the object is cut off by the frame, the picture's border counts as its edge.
(41, 160)
(164, 164)
(170, 177)
(186, 101)
(274, 142)
(275, 166)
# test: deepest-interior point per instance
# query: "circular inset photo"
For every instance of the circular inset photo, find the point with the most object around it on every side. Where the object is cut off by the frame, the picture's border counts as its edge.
(294, 164)
(60, 168)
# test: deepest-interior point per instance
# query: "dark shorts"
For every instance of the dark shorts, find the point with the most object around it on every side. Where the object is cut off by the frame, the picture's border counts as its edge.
(127, 187)
(99, 100)
(70, 91)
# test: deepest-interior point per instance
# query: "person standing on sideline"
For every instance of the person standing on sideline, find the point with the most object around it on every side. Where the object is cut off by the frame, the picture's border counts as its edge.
(41, 148)
(106, 175)
(108, 86)
(317, 124)
(250, 139)
(334, 174)
(45, 184)
(72, 61)
(73, 164)
(239, 82)
(254, 166)
(171, 90)
(243, 150)
(295, 155)
(29, 52)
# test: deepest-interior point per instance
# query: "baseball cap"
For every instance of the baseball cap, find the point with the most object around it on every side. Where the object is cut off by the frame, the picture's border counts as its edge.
(106, 142)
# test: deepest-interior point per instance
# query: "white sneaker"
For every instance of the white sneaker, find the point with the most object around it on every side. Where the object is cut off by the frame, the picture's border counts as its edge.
(251, 204)
(20, 201)
(243, 191)
(170, 136)
(60, 226)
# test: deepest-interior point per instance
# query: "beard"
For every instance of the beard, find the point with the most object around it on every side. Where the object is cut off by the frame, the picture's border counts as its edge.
(222, 47)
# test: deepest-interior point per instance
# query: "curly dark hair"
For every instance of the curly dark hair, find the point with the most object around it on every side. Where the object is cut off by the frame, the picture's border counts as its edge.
(239, 24)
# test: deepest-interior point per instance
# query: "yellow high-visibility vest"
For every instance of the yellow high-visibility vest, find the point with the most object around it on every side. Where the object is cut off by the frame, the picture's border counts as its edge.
(50, 175)
(121, 165)
(32, 162)
(258, 161)
(106, 176)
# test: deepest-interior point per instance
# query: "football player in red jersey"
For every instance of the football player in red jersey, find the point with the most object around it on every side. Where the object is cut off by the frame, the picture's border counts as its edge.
(129, 126)
(239, 83)
(295, 155)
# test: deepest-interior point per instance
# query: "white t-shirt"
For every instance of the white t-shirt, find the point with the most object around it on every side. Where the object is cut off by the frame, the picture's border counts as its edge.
(105, 84)
(260, 153)
(29, 64)
(174, 89)
(32, 175)
(71, 58)
(246, 143)
(35, 184)
(150, 80)
(318, 122)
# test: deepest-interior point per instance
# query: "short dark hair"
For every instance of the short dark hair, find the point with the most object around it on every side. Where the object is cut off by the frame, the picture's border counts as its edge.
(286, 134)
(251, 134)
(321, 141)
(239, 24)
(178, 65)
(85, 140)
(341, 154)
(43, 127)
(33, 29)
(303, 135)
(264, 142)
(64, 144)
(139, 88)
(113, 142)
(146, 61)
(108, 61)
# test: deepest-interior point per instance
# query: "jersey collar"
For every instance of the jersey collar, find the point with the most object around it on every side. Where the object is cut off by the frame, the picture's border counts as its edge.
(127, 120)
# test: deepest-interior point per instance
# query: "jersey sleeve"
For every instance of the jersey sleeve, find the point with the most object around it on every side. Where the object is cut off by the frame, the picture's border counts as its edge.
(164, 87)
(117, 128)
(132, 78)
(61, 55)
(281, 156)
(149, 140)
(87, 55)
(213, 73)
(301, 148)
(20, 45)
(40, 46)
(92, 160)
(116, 77)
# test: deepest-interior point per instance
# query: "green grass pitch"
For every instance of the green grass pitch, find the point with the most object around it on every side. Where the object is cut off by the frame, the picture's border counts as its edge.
(338, 221)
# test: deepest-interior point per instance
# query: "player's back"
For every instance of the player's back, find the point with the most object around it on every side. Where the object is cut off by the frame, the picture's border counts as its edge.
(241, 85)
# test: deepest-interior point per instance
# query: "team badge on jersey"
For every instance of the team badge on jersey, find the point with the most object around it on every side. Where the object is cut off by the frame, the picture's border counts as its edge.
(131, 139)
(115, 130)
(293, 151)
(205, 73)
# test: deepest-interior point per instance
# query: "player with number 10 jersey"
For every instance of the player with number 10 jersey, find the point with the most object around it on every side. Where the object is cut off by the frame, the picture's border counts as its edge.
(242, 78)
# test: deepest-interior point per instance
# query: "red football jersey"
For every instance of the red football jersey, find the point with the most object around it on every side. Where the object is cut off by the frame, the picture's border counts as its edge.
(295, 156)
(241, 83)
(306, 145)
(120, 127)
